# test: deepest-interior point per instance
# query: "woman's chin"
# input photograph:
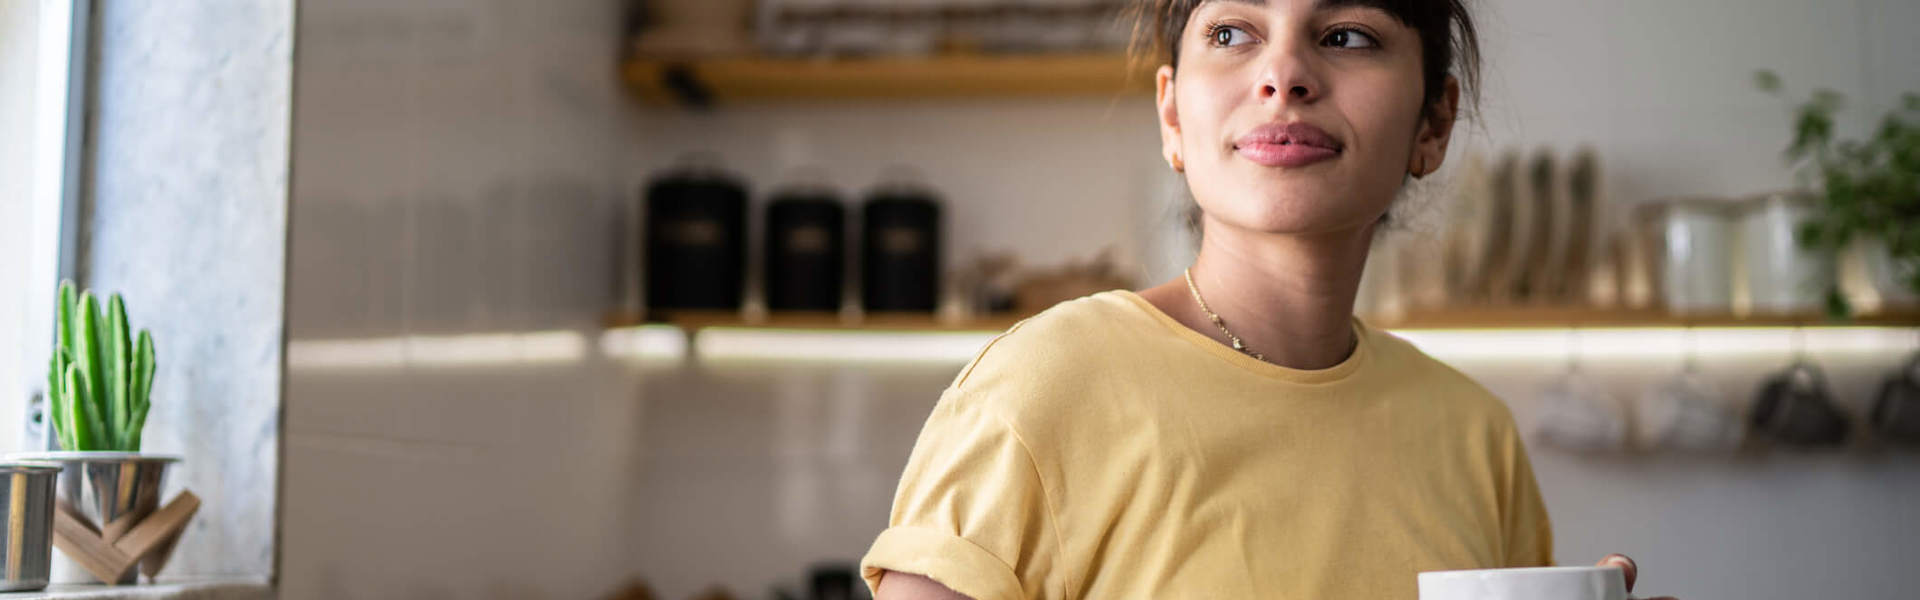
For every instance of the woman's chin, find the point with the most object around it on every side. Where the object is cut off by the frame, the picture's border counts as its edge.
(1296, 214)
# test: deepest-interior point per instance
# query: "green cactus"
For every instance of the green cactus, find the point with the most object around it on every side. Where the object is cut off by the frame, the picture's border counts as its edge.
(100, 379)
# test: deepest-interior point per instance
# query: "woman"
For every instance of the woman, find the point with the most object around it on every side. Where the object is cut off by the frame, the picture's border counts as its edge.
(1234, 432)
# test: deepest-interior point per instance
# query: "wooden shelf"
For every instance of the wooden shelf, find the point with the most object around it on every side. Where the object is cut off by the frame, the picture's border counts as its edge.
(695, 320)
(725, 80)
(1523, 317)
(1547, 317)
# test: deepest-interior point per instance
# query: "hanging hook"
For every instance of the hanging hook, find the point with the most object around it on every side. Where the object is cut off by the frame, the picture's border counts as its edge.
(1798, 345)
(1573, 349)
(1912, 370)
(1689, 357)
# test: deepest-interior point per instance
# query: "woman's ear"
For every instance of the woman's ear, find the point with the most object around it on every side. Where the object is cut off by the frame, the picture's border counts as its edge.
(1436, 129)
(1169, 117)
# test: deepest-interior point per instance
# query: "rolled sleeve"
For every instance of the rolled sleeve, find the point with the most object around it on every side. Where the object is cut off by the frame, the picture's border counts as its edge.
(949, 559)
(971, 511)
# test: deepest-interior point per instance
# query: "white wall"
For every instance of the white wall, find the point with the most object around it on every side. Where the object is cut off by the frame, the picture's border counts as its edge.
(187, 185)
(1051, 180)
(456, 163)
(1665, 91)
(458, 168)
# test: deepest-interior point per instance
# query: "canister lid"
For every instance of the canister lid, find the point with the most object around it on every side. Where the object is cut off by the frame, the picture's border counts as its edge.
(1794, 198)
(28, 466)
(902, 181)
(697, 168)
(1696, 204)
(65, 456)
(806, 182)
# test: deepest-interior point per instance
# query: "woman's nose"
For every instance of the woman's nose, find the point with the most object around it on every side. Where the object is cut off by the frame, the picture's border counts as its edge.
(1290, 71)
(1296, 92)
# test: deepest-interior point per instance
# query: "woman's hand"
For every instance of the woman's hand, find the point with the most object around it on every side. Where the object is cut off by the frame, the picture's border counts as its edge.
(1627, 567)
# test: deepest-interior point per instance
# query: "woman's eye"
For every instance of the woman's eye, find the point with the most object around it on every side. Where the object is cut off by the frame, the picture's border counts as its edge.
(1228, 35)
(1349, 38)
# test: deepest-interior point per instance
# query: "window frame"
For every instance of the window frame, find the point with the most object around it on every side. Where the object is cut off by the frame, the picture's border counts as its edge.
(57, 151)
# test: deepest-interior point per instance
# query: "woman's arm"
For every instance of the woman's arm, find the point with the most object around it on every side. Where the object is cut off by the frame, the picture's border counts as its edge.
(895, 585)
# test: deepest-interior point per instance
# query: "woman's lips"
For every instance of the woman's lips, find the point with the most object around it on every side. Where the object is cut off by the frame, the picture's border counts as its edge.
(1285, 155)
(1287, 145)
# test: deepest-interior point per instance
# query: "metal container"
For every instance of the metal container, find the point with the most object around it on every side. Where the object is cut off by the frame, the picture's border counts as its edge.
(1782, 276)
(1695, 237)
(114, 490)
(28, 553)
(1888, 276)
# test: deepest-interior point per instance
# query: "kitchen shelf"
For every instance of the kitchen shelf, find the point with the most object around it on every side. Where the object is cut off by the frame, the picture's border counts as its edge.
(695, 320)
(1546, 317)
(1488, 318)
(1516, 333)
(728, 79)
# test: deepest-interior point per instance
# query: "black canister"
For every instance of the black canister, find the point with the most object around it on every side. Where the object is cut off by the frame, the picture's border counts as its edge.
(900, 250)
(696, 240)
(806, 250)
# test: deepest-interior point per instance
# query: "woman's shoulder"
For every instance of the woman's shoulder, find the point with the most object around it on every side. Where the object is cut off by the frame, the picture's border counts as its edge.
(1071, 335)
(1459, 395)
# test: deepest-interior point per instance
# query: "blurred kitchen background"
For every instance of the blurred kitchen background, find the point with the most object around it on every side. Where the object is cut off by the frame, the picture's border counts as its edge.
(649, 298)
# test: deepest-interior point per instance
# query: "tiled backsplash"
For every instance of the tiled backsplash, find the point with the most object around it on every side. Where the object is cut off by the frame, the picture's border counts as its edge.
(692, 474)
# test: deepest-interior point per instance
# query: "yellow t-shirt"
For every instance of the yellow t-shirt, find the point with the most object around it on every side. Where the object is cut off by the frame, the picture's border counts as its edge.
(1103, 450)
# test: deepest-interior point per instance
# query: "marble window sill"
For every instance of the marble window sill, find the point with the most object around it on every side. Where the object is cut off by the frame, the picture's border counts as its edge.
(210, 589)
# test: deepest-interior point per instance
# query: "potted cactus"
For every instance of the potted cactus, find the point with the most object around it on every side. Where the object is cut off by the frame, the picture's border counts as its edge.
(99, 390)
(101, 381)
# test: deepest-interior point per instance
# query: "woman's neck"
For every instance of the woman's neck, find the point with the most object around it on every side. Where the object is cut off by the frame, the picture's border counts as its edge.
(1288, 297)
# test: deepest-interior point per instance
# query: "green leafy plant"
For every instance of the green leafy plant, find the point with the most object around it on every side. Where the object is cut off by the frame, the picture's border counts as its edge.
(1867, 187)
(101, 379)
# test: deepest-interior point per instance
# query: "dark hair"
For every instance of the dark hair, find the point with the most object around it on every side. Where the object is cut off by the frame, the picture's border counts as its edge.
(1447, 37)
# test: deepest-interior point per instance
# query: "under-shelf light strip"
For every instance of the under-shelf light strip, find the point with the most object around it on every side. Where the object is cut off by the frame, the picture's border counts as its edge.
(644, 343)
(747, 344)
(438, 351)
(666, 343)
(1654, 342)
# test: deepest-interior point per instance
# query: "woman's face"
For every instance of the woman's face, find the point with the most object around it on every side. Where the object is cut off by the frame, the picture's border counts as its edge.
(1299, 116)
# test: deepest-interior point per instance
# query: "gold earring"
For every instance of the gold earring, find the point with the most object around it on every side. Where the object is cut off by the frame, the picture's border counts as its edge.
(1419, 166)
(1178, 165)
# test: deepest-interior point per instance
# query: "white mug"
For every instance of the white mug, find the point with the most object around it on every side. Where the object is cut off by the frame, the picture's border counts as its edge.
(1537, 583)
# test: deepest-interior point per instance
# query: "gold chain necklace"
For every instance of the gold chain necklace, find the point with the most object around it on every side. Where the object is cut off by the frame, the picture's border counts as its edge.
(1237, 344)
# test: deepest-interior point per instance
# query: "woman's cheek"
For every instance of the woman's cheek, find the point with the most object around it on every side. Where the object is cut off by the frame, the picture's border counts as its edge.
(1388, 118)
(1203, 112)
